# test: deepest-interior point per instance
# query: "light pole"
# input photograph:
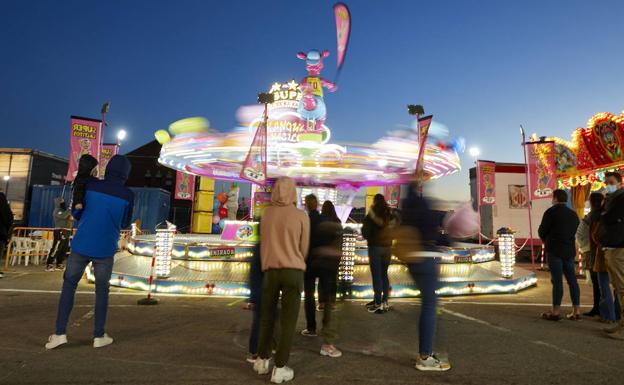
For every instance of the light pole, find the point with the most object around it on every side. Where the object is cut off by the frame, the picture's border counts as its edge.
(528, 189)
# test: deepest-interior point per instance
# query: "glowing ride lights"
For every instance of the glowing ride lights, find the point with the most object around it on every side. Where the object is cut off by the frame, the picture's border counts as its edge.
(507, 251)
(163, 249)
(347, 261)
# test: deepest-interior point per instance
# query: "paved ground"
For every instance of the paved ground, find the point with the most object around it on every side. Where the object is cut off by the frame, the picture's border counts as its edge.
(489, 339)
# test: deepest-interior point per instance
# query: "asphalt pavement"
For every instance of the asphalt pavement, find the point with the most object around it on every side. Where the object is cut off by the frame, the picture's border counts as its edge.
(493, 339)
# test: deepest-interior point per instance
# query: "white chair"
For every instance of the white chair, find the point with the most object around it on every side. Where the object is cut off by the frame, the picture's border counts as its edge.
(21, 247)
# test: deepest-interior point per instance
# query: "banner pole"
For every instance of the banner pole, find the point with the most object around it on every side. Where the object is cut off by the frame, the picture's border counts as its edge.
(529, 200)
(478, 179)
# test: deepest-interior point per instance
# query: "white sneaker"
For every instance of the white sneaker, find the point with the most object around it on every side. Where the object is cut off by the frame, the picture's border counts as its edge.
(56, 340)
(432, 364)
(330, 351)
(282, 374)
(100, 342)
(261, 366)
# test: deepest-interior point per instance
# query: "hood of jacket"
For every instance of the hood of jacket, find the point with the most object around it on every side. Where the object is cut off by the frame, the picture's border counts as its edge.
(284, 192)
(118, 169)
(86, 164)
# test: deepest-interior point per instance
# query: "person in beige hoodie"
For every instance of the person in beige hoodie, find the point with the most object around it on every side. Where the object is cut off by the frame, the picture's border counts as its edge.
(284, 243)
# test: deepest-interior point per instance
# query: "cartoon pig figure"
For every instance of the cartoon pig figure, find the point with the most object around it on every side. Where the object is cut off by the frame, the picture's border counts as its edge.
(312, 107)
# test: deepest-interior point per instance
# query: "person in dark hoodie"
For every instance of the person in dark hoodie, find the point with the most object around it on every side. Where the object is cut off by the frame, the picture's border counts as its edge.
(376, 229)
(424, 269)
(62, 232)
(107, 210)
(6, 222)
(87, 167)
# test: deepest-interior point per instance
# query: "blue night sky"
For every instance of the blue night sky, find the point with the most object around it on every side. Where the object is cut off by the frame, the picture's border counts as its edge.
(481, 67)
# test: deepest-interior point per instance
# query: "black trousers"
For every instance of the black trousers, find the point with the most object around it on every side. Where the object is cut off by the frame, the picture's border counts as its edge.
(60, 247)
(327, 287)
(596, 288)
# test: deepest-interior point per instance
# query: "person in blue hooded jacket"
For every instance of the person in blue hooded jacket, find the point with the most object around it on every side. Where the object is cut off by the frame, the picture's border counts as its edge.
(108, 209)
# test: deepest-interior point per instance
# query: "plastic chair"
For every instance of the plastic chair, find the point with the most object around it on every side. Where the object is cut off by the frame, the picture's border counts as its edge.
(22, 247)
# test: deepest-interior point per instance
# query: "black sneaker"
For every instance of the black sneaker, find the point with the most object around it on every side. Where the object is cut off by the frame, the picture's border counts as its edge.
(377, 309)
(49, 268)
(591, 313)
(370, 304)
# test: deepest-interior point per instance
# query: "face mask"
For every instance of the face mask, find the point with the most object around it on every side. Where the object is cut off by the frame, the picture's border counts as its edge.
(611, 188)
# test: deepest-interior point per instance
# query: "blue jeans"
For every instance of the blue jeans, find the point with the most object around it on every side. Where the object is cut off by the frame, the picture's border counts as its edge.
(379, 260)
(425, 274)
(560, 267)
(74, 270)
(609, 308)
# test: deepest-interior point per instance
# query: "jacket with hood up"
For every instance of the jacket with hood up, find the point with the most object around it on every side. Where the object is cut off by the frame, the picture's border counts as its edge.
(284, 230)
(108, 209)
(62, 215)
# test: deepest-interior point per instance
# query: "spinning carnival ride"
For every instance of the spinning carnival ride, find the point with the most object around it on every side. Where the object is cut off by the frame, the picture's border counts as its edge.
(219, 264)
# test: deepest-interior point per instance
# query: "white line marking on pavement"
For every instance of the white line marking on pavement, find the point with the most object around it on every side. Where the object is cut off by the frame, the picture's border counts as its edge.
(469, 318)
(555, 347)
(573, 354)
(85, 317)
(450, 302)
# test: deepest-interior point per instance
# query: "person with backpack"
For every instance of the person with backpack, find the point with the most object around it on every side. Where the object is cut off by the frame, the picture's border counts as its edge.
(611, 237)
(107, 209)
(63, 223)
(377, 230)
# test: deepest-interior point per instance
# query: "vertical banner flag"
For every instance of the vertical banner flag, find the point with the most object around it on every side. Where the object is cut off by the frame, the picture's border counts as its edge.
(423, 130)
(185, 186)
(255, 165)
(107, 152)
(84, 139)
(343, 31)
(487, 182)
(542, 169)
(392, 194)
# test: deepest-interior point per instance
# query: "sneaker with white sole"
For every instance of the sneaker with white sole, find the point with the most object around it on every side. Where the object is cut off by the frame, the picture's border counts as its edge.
(251, 358)
(307, 333)
(261, 366)
(56, 340)
(49, 268)
(613, 329)
(330, 351)
(283, 374)
(377, 309)
(100, 342)
(432, 364)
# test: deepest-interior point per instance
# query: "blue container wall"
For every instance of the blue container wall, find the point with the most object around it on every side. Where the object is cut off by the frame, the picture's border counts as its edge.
(151, 205)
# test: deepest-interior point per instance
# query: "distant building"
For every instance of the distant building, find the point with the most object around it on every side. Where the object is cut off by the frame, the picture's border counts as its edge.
(22, 168)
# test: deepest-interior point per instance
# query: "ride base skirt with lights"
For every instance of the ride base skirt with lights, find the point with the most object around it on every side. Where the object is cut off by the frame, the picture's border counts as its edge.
(210, 265)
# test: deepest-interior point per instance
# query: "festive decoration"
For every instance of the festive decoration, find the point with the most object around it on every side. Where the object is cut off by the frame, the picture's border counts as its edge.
(542, 169)
(185, 186)
(506, 251)
(163, 248)
(487, 182)
(343, 32)
(312, 105)
(85, 138)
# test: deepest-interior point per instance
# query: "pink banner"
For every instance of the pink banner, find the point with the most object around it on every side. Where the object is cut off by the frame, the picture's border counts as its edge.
(84, 139)
(487, 182)
(343, 30)
(423, 131)
(185, 186)
(392, 194)
(108, 151)
(542, 169)
(255, 165)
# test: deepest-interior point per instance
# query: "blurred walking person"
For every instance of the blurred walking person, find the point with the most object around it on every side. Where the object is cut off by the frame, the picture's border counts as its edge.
(323, 262)
(418, 239)
(107, 209)
(63, 224)
(558, 232)
(284, 243)
(376, 230)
